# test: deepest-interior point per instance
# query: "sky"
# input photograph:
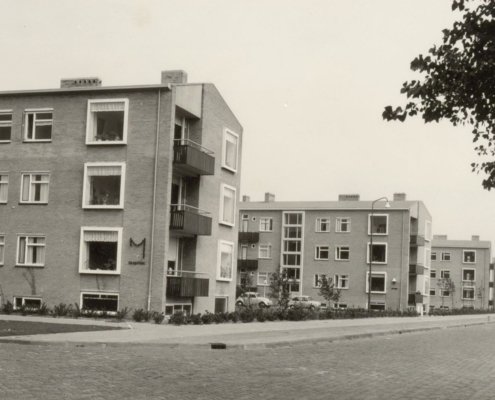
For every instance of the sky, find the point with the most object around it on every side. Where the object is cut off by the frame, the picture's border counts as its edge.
(308, 80)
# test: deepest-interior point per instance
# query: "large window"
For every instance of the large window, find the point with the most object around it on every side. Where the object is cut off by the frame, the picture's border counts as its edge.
(230, 150)
(342, 281)
(378, 253)
(104, 185)
(100, 251)
(34, 187)
(322, 224)
(28, 303)
(378, 224)
(317, 280)
(342, 253)
(469, 256)
(5, 126)
(227, 205)
(322, 252)
(265, 251)
(38, 125)
(100, 302)
(225, 260)
(468, 274)
(107, 121)
(445, 256)
(445, 274)
(266, 224)
(292, 238)
(4, 188)
(263, 278)
(468, 293)
(2, 249)
(378, 282)
(31, 250)
(184, 308)
(343, 224)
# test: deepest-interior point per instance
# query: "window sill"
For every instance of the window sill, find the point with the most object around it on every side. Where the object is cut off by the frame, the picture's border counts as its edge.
(37, 141)
(5, 141)
(103, 207)
(99, 272)
(29, 266)
(224, 279)
(469, 262)
(347, 260)
(107, 143)
(378, 234)
(36, 203)
(347, 232)
(232, 170)
(321, 259)
(230, 225)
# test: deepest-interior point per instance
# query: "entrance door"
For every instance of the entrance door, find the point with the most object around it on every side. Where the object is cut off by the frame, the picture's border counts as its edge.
(220, 304)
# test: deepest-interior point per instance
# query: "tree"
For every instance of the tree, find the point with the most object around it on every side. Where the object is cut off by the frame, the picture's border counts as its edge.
(457, 81)
(280, 288)
(328, 290)
(446, 285)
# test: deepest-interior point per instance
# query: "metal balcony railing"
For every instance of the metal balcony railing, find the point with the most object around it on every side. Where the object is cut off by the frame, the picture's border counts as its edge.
(416, 269)
(417, 240)
(248, 265)
(189, 220)
(192, 158)
(249, 237)
(187, 284)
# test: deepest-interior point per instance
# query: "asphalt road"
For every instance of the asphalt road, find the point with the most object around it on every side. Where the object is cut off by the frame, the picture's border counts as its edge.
(457, 363)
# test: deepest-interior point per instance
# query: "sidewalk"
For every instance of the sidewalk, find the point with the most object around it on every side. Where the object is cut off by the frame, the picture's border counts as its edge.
(240, 335)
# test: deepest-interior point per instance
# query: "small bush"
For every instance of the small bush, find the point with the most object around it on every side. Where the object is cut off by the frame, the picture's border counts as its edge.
(8, 308)
(196, 319)
(43, 309)
(61, 310)
(76, 311)
(297, 313)
(234, 316)
(122, 314)
(208, 318)
(260, 314)
(247, 314)
(140, 315)
(270, 314)
(158, 317)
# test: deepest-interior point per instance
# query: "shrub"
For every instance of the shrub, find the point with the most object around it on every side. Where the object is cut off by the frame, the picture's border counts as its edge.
(122, 314)
(61, 310)
(271, 314)
(260, 314)
(234, 316)
(196, 319)
(43, 309)
(158, 317)
(178, 318)
(298, 313)
(247, 315)
(207, 318)
(76, 311)
(138, 315)
(8, 308)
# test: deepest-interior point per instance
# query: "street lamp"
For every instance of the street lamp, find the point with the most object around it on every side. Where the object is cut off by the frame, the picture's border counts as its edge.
(387, 205)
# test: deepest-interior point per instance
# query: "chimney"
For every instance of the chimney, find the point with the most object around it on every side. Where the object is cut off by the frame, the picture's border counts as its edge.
(475, 238)
(269, 197)
(246, 199)
(399, 197)
(175, 76)
(80, 82)
(348, 197)
(440, 237)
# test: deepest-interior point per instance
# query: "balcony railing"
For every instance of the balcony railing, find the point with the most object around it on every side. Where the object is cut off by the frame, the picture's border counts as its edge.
(415, 298)
(187, 284)
(416, 269)
(189, 220)
(249, 237)
(248, 265)
(417, 240)
(192, 158)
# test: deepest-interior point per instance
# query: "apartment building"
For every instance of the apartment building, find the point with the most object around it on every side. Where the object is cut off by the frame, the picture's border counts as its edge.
(115, 197)
(461, 274)
(339, 239)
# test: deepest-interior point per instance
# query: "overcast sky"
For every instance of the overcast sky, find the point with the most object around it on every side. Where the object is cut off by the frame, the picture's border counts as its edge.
(308, 79)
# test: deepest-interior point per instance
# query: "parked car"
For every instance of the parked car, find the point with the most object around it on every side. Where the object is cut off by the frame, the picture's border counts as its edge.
(304, 301)
(253, 299)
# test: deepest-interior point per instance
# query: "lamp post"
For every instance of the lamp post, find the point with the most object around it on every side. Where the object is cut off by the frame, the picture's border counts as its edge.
(387, 205)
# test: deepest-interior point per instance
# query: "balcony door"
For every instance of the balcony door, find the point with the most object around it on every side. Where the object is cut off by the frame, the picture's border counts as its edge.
(244, 249)
(174, 256)
(178, 195)
(181, 130)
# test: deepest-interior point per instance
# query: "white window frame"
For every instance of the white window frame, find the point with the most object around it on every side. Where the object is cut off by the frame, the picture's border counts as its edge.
(100, 294)
(86, 185)
(263, 221)
(27, 245)
(318, 249)
(319, 222)
(464, 256)
(442, 273)
(219, 260)
(433, 256)
(474, 274)
(369, 224)
(444, 255)
(177, 305)
(266, 279)
(376, 244)
(433, 291)
(338, 253)
(6, 124)
(224, 188)
(338, 279)
(381, 273)
(470, 288)
(338, 224)
(428, 231)
(90, 139)
(317, 280)
(23, 300)
(35, 111)
(2, 248)
(6, 183)
(226, 133)
(433, 272)
(265, 247)
(32, 183)
(82, 251)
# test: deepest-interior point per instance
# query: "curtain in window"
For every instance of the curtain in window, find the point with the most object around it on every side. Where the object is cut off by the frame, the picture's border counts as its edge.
(26, 180)
(105, 170)
(111, 106)
(100, 236)
(4, 187)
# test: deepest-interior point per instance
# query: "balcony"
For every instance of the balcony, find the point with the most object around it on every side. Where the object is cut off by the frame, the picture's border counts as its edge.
(247, 265)
(192, 159)
(186, 284)
(417, 240)
(188, 220)
(416, 269)
(415, 298)
(249, 237)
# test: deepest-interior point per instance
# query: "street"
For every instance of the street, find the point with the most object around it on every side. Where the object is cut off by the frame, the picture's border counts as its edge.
(454, 363)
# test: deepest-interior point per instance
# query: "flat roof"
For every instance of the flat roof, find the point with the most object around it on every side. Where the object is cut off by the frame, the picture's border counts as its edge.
(326, 205)
(471, 244)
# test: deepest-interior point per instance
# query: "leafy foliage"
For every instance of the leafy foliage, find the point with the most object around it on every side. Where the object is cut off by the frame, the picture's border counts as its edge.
(280, 288)
(328, 290)
(457, 81)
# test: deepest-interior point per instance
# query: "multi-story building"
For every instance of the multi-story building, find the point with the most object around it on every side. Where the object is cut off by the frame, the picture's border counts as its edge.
(116, 197)
(461, 274)
(339, 239)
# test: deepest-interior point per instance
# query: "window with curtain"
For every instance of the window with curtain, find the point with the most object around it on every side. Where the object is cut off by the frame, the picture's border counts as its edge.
(5, 126)
(34, 187)
(225, 260)
(100, 250)
(107, 121)
(38, 125)
(4, 188)
(227, 205)
(230, 150)
(31, 250)
(104, 185)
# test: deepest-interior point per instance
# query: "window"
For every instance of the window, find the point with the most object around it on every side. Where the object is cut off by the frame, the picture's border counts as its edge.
(378, 224)
(468, 293)
(378, 282)
(4, 188)
(427, 257)
(230, 150)
(227, 205)
(433, 273)
(293, 273)
(2, 249)
(343, 225)
(263, 278)
(104, 185)
(445, 256)
(100, 251)
(244, 223)
(322, 252)
(433, 256)
(378, 253)
(266, 224)
(342, 253)
(5, 126)
(38, 125)
(225, 260)
(428, 230)
(322, 224)
(468, 275)
(171, 309)
(433, 292)
(31, 250)
(265, 251)
(107, 121)
(29, 303)
(341, 306)
(100, 302)
(317, 280)
(469, 256)
(342, 282)
(445, 274)
(444, 293)
(34, 187)
(377, 305)
(292, 228)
